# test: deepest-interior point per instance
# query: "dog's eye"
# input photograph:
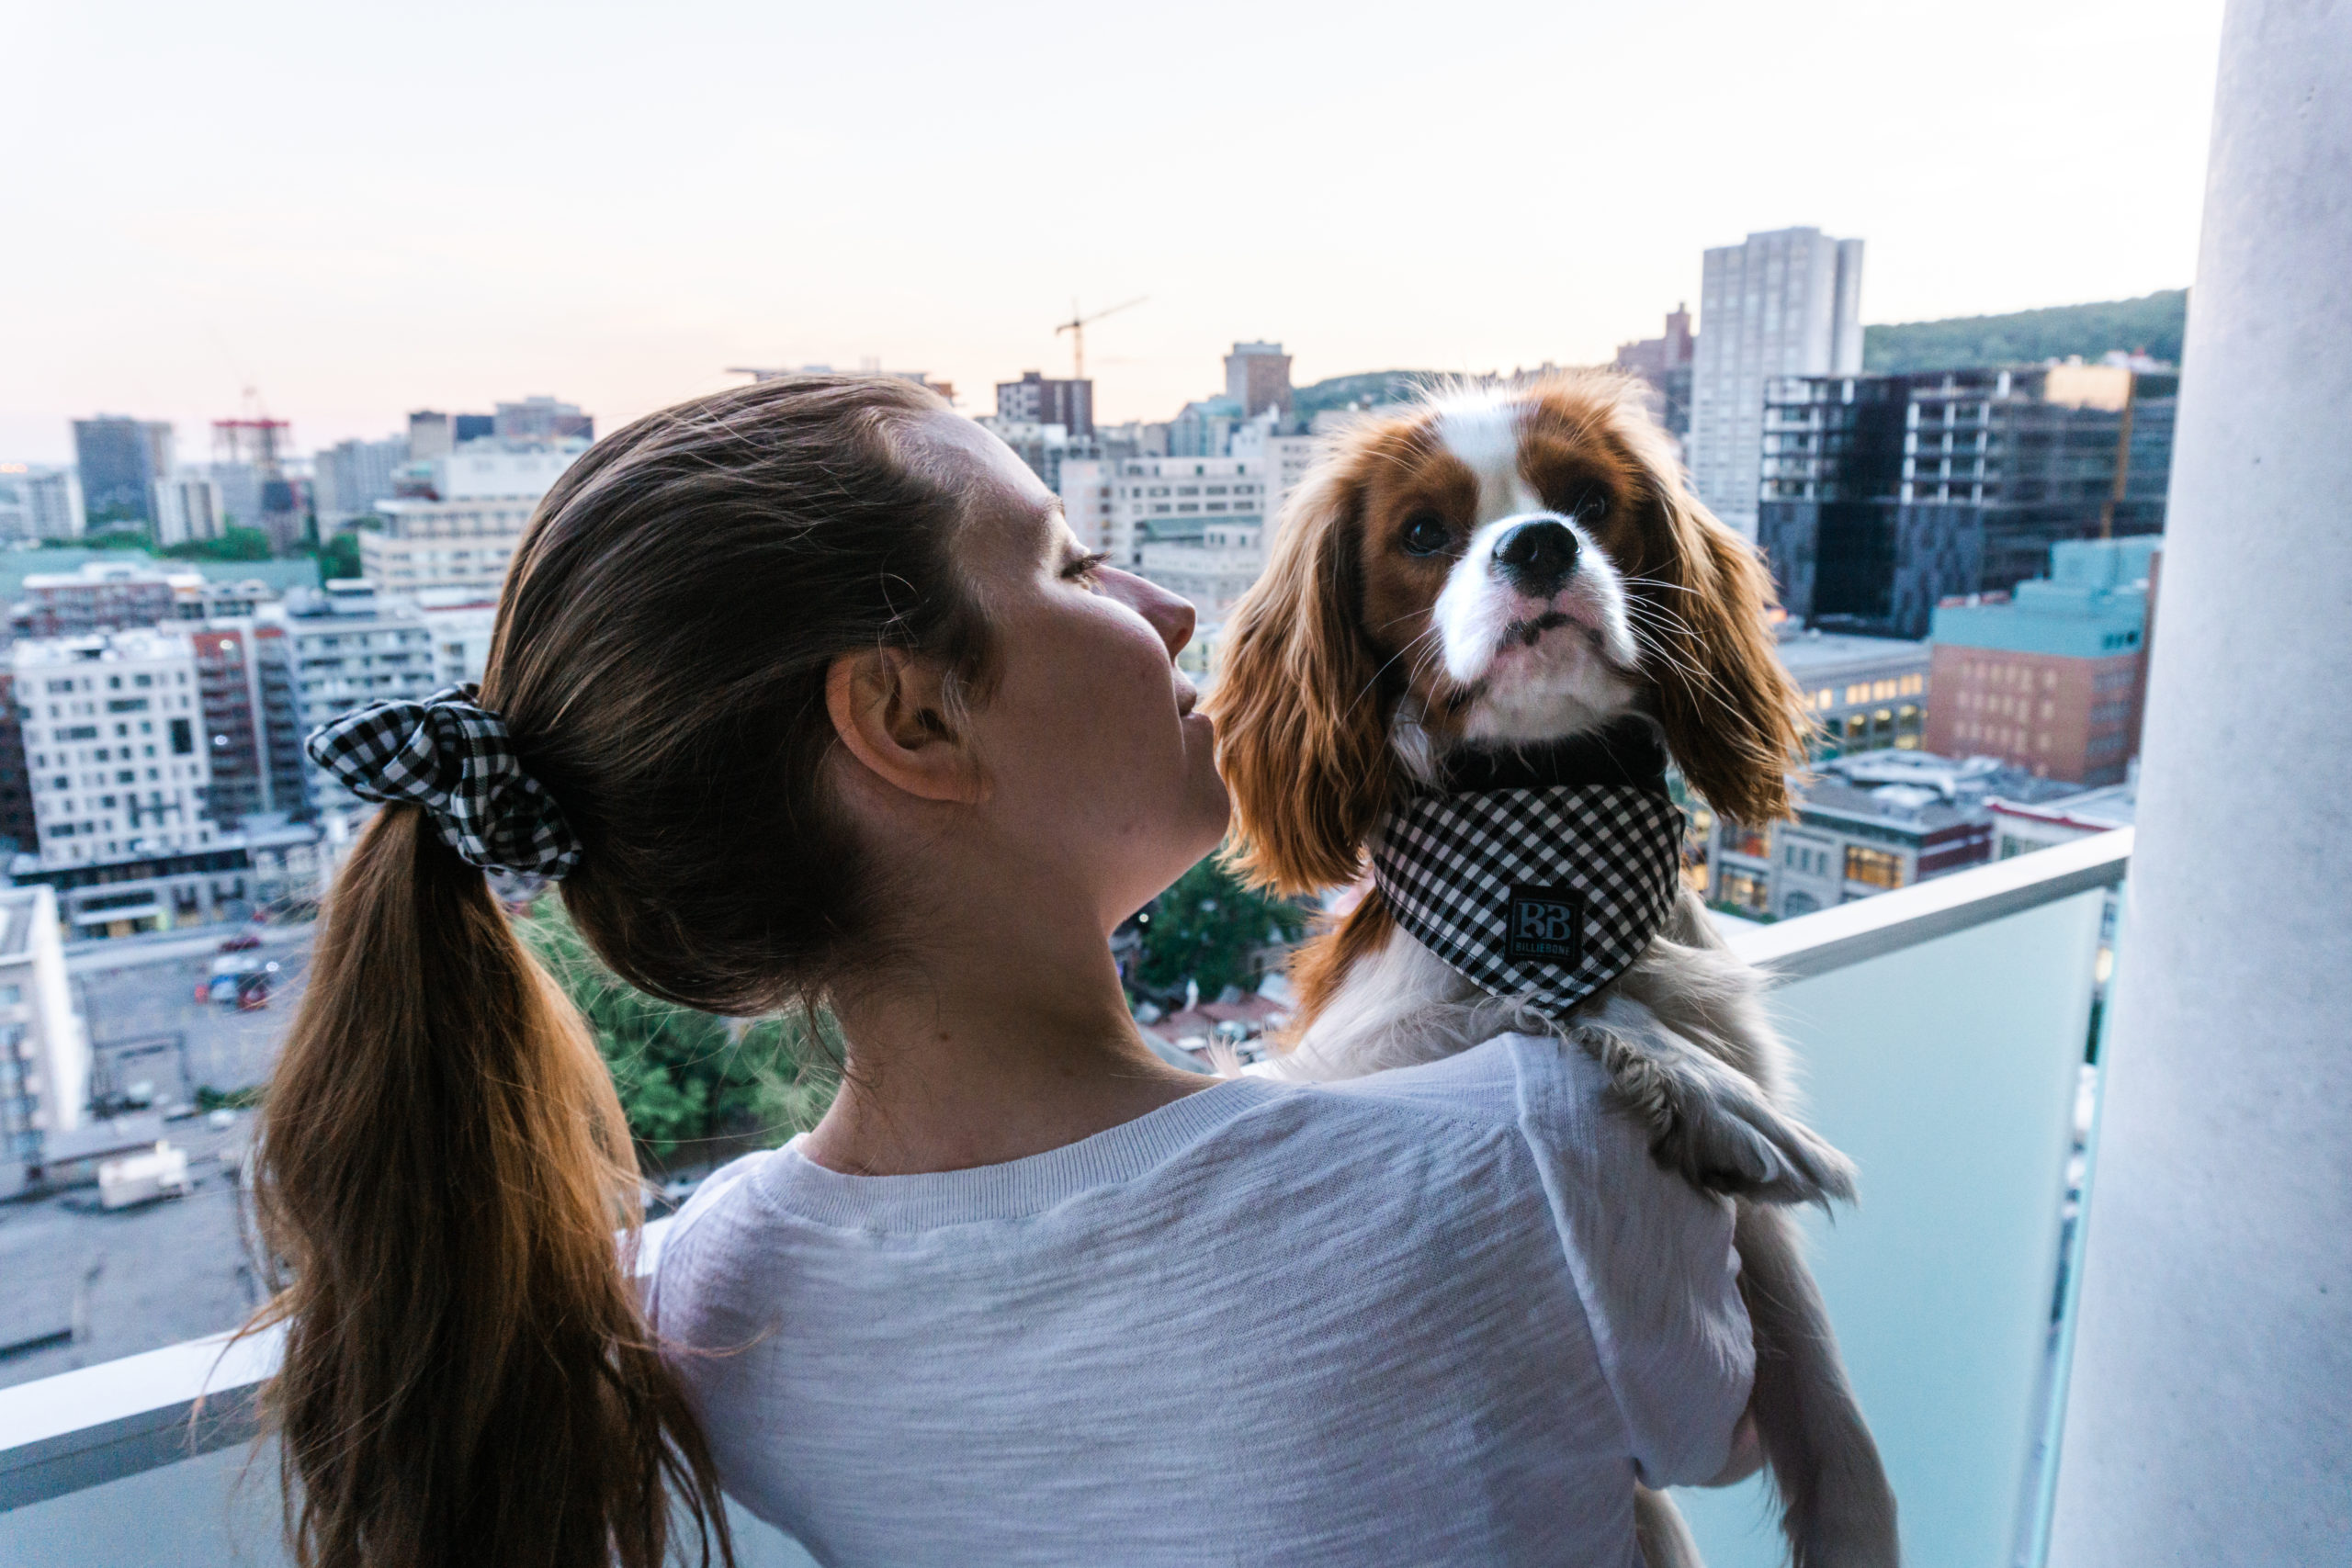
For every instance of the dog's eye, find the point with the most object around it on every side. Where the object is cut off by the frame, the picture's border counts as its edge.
(1592, 508)
(1425, 533)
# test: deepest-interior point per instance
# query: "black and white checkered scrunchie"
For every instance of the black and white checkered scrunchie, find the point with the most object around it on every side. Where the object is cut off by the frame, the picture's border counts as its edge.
(1541, 877)
(456, 760)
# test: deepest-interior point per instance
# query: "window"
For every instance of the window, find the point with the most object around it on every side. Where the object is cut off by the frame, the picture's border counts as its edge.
(1873, 868)
(183, 738)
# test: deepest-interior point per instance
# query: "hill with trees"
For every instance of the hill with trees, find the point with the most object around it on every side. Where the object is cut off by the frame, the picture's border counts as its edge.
(2151, 324)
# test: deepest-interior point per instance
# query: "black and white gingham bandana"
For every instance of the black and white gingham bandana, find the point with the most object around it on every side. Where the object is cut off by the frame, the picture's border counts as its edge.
(1540, 876)
(457, 762)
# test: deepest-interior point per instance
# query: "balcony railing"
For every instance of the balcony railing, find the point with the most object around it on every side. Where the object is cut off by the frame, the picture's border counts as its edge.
(1942, 1032)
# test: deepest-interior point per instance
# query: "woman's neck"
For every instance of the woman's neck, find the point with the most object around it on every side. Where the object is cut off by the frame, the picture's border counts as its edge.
(1013, 1042)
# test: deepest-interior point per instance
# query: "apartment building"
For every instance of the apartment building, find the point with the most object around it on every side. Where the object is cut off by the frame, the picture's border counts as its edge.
(188, 508)
(111, 735)
(18, 831)
(1281, 453)
(461, 529)
(44, 1048)
(38, 502)
(1865, 825)
(326, 653)
(1038, 398)
(461, 623)
(1784, 303)
(102, 596)
(228, 677)
(350, 478)
(1865, 694)
(1086, 500)
(2051, 678)
(1212, 570)
(1881, 496)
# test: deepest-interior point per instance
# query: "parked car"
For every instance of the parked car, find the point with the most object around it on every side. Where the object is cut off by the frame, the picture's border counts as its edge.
(243, 942)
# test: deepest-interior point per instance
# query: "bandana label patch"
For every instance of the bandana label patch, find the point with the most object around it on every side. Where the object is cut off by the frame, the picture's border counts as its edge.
(1543, 894)
(1546, 926)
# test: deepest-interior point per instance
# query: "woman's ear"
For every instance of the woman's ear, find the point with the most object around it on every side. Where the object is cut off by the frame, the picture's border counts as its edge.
(1302, 731)
(1733, 719)
(891, 709)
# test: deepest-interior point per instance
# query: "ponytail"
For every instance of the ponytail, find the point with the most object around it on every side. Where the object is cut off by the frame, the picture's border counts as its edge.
(442, 1172)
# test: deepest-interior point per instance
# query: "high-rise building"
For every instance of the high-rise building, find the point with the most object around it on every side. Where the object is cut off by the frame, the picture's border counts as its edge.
(2052, 677)
(121, 459)
(348, 478)
(1784, 303)
(325, 654)
(1664, 363)
(1038, 398)
(40, 503)
(1883, 495)
(188, 507)
(111, 733)
(1257, 375)
(229, 695)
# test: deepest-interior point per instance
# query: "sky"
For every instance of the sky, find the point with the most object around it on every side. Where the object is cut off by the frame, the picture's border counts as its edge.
(358, 210)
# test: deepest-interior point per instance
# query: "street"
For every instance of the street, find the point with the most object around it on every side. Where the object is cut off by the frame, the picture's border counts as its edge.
(138, 994)
(114, 1284)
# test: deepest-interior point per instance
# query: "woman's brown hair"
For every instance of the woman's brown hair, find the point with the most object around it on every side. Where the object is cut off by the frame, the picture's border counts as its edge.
(443, 1168)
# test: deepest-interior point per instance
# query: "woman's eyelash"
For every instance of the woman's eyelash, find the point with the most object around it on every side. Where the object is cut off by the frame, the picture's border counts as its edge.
(1085, 566)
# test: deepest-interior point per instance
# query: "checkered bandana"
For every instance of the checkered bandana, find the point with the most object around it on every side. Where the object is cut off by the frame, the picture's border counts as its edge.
(1535, 889)
(457, 762)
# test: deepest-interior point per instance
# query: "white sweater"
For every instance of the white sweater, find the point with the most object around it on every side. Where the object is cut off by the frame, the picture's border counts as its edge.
(1445, 1315)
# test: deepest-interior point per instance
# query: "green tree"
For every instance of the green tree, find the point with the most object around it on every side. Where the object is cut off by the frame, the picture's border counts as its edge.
(113, 537)
(695, 1086)
(339, 556)
(234, 544)
(1207, 928)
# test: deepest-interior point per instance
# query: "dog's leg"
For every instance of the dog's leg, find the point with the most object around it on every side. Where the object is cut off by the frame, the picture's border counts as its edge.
(1836, 1506)
(1665, 1540)
(1708, 1122)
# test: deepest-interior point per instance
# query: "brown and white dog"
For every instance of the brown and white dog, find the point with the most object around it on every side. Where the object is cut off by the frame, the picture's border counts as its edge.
(1501, 569)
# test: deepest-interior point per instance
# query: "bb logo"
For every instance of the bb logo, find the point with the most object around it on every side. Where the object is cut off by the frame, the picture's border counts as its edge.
(1546, 926)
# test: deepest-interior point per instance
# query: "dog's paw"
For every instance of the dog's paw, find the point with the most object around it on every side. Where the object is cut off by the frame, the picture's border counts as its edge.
(1712, 1125)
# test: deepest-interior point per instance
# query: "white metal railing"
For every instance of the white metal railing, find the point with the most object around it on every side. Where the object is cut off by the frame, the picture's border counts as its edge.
(81, 1430)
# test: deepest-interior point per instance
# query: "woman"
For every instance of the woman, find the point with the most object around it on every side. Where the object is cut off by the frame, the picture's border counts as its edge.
(808, 695)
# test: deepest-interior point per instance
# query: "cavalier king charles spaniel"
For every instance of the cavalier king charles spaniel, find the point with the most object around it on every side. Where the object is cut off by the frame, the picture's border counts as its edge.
(1496, 570)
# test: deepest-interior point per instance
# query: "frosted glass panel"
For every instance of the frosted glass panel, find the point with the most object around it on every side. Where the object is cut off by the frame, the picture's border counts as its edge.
(1947, 1072)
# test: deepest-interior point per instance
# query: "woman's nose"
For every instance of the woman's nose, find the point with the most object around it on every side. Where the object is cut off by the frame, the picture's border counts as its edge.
(1170, 615)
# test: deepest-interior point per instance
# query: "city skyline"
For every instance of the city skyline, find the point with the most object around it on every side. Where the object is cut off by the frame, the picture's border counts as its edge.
(360, 232)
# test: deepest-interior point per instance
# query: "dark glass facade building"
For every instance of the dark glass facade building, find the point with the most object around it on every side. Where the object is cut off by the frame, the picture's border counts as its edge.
(1883, 495)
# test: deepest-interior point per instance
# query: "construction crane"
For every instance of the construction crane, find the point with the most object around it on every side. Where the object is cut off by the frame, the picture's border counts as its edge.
(1076, 326)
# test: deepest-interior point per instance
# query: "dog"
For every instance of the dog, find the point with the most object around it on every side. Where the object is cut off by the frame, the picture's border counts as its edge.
(1500, 569)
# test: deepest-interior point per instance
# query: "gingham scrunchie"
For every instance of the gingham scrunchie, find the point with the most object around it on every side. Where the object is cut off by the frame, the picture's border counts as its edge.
(457, 761)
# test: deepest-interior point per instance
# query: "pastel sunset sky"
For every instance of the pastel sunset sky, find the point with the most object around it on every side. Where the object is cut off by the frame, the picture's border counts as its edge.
(359, 209)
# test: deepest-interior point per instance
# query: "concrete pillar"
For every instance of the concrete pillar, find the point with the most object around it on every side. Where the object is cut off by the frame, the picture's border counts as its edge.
(2208, 1418)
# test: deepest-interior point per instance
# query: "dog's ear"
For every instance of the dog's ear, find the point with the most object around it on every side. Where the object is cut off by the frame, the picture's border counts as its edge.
(1302, 731)
(1734, 720)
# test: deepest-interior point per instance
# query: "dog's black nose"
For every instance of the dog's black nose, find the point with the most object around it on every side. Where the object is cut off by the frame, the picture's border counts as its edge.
(1537, 556)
